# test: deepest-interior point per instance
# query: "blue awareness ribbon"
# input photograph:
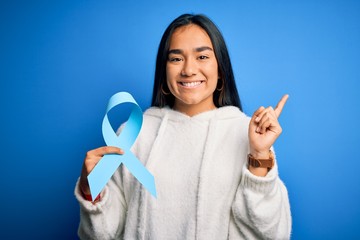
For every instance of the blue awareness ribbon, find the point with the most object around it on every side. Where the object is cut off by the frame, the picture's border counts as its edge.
(108, 164)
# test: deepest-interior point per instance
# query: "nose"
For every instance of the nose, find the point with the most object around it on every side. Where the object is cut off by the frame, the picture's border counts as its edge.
(189, 68)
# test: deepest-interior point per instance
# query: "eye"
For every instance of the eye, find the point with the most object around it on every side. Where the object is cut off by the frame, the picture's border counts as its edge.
(203, 57)
(174, 59)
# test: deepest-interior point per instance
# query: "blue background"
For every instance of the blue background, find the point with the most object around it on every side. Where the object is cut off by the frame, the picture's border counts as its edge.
(61, 61)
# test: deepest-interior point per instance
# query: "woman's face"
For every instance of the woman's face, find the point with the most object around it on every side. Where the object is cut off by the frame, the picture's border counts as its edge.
(192, 70)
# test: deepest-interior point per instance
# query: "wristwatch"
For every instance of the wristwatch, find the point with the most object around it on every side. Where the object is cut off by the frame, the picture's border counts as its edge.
(261, 163)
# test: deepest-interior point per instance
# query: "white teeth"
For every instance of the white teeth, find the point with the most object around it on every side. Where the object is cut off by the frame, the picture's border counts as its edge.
(190, 84)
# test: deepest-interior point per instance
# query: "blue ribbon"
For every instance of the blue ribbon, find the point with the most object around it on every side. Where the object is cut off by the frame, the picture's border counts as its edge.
(108, 164)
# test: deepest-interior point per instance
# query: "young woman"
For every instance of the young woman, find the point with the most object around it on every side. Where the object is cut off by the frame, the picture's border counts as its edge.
(215, 169)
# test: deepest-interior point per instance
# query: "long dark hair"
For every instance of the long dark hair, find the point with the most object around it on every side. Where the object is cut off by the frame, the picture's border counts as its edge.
(226, 93)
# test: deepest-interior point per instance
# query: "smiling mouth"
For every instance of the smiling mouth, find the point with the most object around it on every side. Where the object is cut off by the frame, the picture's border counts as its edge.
(191, 84)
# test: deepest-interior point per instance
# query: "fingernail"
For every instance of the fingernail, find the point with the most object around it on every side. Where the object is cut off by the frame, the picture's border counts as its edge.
(257, 119)
(257, 129)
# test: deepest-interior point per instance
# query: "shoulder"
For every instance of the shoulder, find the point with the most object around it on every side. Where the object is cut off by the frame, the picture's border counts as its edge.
(156, 112)
(154, 115)
(231, 113)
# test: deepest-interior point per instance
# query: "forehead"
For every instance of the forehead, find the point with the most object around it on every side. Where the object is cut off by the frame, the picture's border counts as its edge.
(190, 36)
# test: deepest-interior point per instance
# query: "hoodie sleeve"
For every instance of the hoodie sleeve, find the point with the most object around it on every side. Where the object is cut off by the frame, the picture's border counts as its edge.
(104, 219)
(261, 207)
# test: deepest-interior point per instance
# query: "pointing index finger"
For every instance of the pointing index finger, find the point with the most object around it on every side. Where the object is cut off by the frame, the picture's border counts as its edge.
(279, 107)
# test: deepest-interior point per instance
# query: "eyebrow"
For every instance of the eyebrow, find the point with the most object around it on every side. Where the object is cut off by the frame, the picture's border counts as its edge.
(198, 49)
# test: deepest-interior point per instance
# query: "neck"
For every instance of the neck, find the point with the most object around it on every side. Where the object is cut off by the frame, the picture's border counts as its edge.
(192, 110)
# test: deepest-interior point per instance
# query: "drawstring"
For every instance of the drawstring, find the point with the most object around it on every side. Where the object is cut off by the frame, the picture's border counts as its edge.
(207, 149)
(158, 138)
(144, 194)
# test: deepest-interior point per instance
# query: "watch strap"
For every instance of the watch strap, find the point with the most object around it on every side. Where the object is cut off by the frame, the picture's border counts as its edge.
(261, 163)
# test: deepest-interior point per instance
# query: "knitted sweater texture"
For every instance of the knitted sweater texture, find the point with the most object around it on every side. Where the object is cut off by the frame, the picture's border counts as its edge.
(204, 189)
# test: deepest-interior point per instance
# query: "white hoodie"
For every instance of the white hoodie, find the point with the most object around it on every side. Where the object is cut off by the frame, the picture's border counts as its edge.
(204, 189)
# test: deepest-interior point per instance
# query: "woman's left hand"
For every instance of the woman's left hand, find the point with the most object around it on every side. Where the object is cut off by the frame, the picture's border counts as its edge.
(264, 129)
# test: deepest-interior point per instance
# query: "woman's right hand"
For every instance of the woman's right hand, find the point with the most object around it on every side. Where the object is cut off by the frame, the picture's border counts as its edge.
(91, 159)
